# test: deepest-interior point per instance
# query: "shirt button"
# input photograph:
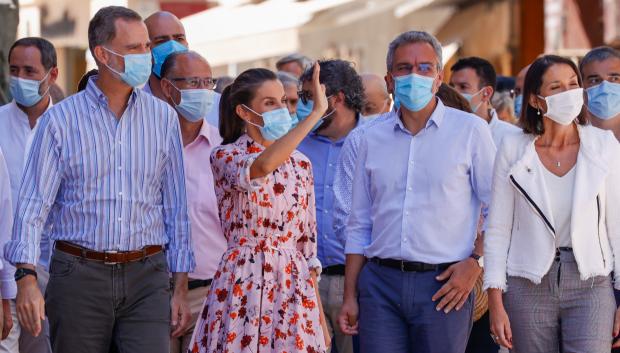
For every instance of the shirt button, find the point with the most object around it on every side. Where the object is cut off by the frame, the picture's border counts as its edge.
(120, 142)
(410, 188)
(331, 165)
(325, 211)
(120, 168)
(404, 240)
(120, 194)
(407, 213)
(120, 219)
(327, 186)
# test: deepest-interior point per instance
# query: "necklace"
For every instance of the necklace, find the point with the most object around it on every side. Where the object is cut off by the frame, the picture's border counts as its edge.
(558, 164)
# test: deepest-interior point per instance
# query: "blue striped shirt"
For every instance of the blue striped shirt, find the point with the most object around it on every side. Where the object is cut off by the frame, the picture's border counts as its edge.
(106, 183)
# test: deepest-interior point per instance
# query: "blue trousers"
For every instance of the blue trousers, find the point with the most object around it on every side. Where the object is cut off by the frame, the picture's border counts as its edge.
(397, 314)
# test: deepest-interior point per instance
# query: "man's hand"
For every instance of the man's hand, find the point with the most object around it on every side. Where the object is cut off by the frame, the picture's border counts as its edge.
(30, 305)
(462, 278)
(181, 315)
(348, 317)
(7, 321)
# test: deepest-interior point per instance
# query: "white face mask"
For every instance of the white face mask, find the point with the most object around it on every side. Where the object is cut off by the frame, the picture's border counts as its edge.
(563, 108)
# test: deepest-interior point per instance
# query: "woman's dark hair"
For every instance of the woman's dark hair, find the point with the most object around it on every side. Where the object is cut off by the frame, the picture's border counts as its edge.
(241, 91)
(530, 120)
(453, 99)
(84, 80)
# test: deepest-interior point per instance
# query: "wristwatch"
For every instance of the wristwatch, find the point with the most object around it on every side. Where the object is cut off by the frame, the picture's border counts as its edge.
(23, 272)
(478, 258)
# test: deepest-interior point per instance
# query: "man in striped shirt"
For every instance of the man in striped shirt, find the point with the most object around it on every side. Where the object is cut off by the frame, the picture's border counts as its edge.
(106, 167)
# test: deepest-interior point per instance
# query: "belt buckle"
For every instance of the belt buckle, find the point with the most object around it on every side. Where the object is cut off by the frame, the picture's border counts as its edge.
(105, 257)
(402, 266)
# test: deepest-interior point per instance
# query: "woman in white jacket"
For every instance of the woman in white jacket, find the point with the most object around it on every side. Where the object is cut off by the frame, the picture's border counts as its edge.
(554, 225)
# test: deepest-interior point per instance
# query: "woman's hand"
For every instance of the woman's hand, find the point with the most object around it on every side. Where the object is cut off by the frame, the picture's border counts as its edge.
(500, 324)
(318, 92)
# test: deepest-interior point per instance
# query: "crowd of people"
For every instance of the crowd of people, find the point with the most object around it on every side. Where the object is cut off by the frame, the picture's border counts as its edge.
(314, 209)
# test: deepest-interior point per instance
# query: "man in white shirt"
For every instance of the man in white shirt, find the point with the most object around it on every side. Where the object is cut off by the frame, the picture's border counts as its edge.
(33, 69)
(475, 79)
(167, 36)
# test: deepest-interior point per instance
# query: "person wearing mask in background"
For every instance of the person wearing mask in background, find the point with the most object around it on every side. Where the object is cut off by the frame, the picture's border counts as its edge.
(115, 196)
(600, 69)
(295, 64)
(264, 296)
(291, 86)
(167, 36)
(518, 91)
(33, 70)
(322, 146)
(415, 275)
(187, 83)
(475, 79)
(377, 97)
(553, 233)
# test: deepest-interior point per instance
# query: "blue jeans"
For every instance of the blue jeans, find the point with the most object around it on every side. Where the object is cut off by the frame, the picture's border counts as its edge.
(397, 314)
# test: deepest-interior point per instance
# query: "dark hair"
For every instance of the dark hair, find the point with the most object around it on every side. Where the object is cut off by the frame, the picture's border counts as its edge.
(598, 54)
(241, 91)
(47, 50)
(340, 76)
(530, 120)
(84, 80)
(453, 99)
(102, 27)
(483, 68)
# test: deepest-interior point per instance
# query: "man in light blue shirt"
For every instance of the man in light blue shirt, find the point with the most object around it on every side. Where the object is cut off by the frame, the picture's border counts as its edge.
(346, 98)
(422, 176)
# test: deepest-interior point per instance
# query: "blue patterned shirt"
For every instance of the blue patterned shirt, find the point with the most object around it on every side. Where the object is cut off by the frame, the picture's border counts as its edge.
(105, 183)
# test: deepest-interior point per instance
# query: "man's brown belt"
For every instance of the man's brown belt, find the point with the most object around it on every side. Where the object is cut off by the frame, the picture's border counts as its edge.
(108, 257)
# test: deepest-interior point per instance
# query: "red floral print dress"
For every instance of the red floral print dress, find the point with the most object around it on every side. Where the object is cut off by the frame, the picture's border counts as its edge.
(262, 298)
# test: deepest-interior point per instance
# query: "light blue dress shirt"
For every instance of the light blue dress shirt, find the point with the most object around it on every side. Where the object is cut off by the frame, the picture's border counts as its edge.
(418, 198)
(105, 183)
(323, 154)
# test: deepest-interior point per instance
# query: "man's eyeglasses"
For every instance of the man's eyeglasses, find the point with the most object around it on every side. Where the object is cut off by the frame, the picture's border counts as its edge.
(196, 82)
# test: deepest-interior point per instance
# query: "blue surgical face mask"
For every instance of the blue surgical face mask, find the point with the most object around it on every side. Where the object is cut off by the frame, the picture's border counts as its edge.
(304, 110)
(26, 92)
(137, 68)
(195, 103)
(276, 123)
(518, 105)
(396, 103)
(294, 119)
(469, 97)
(604, 100)
(161, 52)
(414, 91)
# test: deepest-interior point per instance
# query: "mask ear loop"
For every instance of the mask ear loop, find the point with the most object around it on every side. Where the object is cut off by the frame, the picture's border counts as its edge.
(48, 85)
(177, 88)
(251, 123)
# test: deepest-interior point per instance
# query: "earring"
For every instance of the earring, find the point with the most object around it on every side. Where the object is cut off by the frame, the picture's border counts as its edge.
(538, 111)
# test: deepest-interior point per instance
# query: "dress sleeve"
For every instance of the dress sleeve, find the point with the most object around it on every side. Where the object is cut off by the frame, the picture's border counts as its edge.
(231, 169)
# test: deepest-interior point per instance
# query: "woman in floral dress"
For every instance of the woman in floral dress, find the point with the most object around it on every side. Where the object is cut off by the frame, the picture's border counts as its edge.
(263, 297)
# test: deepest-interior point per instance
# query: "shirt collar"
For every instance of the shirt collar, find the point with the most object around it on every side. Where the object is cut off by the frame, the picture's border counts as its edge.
(494, 117)
(22, 116)
(435, 119)
(97, 97)
(205, 133)
(315, 135)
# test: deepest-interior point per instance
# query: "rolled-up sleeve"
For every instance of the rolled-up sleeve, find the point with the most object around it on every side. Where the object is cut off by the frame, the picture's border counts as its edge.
(484, 152)
(343, 183)
(359, 226)
(500, 221)
(176, 220)
(40, 183)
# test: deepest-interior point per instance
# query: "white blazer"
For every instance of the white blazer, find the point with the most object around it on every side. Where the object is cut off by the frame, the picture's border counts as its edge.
(520, 235)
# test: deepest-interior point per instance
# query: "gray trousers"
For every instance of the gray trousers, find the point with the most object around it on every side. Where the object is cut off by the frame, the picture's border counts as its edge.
(331, 290)
(561, 311)
(92, 306)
